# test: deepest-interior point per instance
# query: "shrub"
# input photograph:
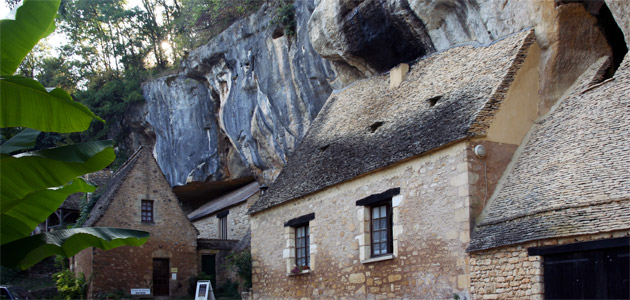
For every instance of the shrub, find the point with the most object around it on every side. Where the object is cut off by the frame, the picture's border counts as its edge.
(68, 286)
(241, 262)
(285, 16)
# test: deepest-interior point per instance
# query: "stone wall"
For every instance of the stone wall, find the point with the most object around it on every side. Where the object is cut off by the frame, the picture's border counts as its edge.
(172, 235)
(238, 222)
(509, 273)
(431, 226)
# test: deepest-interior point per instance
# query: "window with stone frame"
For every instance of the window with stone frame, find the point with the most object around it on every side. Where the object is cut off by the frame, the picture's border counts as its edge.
(378, 215)
(223, 224)
(299, 245)
(146, 208)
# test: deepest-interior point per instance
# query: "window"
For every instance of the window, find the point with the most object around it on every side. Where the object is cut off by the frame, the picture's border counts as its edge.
(299, 245)
(223, 224)
(381, 229)
(378, 217)
(302, 255)
(147, 211)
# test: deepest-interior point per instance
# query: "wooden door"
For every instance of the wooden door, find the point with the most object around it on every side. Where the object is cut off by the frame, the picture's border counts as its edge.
(596, 274)
(160, 277)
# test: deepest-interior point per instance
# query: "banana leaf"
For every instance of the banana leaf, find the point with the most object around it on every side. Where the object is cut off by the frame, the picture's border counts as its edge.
(34, 20)
(26, 252)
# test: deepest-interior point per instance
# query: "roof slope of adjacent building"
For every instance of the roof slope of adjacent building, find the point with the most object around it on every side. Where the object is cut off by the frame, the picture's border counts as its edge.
(446, 97)
(572, 176)
(233, 198)
(116, 181)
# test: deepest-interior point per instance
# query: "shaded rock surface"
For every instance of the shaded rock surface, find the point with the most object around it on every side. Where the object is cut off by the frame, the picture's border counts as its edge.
(240, 104)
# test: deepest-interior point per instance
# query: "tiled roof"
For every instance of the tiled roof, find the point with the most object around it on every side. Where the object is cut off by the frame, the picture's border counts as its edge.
(238, 196)
(368, 126)
(573, 174)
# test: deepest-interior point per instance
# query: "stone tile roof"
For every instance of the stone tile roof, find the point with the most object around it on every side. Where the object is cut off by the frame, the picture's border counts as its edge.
(573, 174)
(368, 126)
(215, 205)
(113, 185)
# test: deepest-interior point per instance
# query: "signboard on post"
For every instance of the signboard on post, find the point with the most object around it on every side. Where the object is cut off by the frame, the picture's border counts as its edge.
(204, 290)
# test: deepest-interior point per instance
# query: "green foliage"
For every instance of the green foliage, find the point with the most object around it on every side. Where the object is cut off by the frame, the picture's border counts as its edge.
(285, 16)
(34, 184)
(241, 262)
(85, 207)
(228, 290)
(70, 287)
(33, 22)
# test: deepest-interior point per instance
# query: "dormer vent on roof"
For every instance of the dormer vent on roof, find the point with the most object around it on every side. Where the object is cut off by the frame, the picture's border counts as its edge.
(433, 100)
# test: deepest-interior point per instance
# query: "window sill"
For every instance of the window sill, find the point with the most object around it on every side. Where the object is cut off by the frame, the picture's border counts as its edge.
(301, 273)
(378, 258)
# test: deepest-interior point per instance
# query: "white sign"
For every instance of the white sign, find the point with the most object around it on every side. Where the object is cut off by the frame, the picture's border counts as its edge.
(204, 290)
(141, 291)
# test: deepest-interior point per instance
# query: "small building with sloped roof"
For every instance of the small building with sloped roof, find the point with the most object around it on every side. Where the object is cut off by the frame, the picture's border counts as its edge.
(139, 197)
(222, 223)
(379, 199)
(559, 223)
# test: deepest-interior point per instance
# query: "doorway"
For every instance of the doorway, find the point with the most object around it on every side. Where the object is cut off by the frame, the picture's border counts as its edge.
(160, 277)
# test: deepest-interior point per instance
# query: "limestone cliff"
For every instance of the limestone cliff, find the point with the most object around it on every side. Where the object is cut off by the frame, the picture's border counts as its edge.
(240, 104)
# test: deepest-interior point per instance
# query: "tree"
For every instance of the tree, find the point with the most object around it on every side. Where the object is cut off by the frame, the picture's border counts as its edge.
(34, 184)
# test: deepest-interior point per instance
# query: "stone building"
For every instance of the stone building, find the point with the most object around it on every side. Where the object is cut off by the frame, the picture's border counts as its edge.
(139, 197)
(222, 223)
(558, 226)
(379, 199)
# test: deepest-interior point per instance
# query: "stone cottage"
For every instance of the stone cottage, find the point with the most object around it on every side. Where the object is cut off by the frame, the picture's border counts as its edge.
(139, 197)
(222, 223)
(379, 199)
(558, 225)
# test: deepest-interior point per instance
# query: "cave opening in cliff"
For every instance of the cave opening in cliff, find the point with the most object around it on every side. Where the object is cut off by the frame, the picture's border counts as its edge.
(609, 28)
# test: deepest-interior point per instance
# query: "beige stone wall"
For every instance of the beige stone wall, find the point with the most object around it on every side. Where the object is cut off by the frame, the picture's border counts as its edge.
(172, 235)
(431, 225)
(509, 273)
(238, 222)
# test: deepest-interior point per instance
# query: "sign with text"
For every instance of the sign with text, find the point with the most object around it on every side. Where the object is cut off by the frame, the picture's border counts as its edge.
(141, 291)
(204, 290)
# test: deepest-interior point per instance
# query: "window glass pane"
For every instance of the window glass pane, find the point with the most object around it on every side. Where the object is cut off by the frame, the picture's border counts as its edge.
(383, 223)
(375, 213)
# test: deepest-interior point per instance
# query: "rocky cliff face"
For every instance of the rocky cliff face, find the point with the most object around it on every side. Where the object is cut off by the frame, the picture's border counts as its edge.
(244, 101)
(241, 103)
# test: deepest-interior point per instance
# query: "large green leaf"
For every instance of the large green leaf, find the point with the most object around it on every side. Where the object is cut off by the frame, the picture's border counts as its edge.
(19, 220)
(25, 252)
(24, 140)
(34, 20)
(25, 102)
(39, 170)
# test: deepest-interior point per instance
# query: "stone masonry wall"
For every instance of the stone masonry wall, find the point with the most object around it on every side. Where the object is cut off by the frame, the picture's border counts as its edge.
(431, 227)
(172, 235)
(509, 273)
(238, 222)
